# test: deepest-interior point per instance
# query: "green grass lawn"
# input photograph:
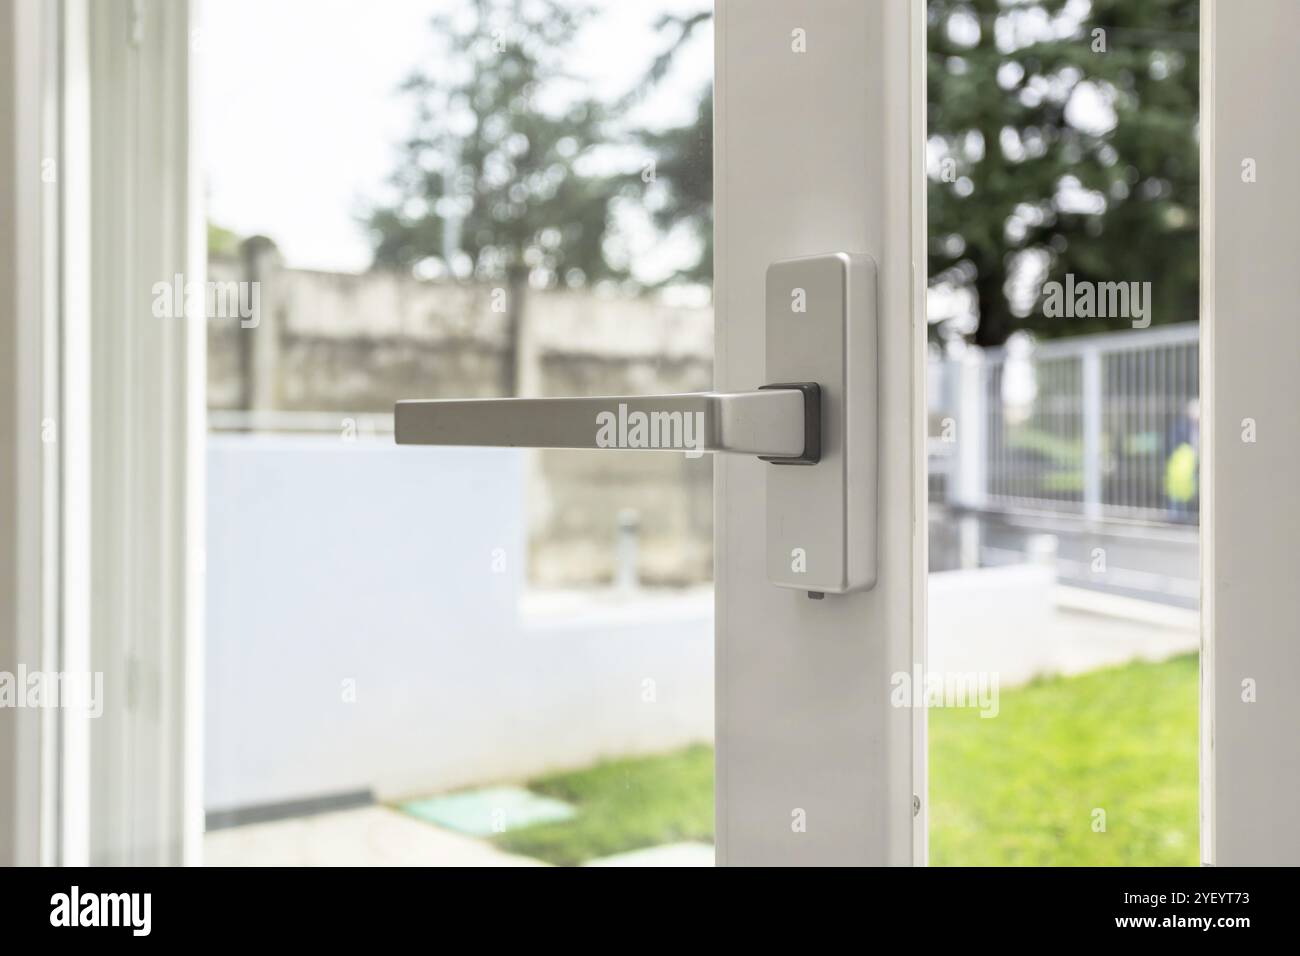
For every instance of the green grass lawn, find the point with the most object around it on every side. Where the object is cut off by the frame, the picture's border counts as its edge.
(1017, 789)
(623, 805)
(1020, 789)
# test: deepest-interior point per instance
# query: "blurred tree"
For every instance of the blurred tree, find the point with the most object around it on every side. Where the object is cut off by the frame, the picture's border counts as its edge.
(1063, 145)
(222, 241)
(1068, 151)
(683, 155)
(683, 158)
(491, 184)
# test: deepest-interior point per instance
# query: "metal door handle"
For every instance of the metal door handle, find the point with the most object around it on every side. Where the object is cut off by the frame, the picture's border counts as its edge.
(779, 423)
(820, 334)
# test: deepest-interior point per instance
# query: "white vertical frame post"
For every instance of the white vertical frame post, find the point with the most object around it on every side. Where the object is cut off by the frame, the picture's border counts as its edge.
(74, 743)
(140, 428)
(819, 126)
(1250, 511)
(29, 423)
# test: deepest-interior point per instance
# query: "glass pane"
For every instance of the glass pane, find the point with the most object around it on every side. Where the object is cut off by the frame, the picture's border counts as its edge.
(450, 655)
(1063, 432)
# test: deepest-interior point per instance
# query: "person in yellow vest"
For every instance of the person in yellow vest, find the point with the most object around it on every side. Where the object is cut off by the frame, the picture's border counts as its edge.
(1181, 463)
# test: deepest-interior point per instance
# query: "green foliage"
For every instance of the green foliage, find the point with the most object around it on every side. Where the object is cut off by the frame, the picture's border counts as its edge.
(222, 241)
(684, 170)
(491, 184)
(683, 155)
(1029, 186)
(999, 112)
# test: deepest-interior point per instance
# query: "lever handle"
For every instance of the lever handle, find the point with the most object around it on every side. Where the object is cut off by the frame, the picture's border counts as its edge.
(779, 423)
(820, 328)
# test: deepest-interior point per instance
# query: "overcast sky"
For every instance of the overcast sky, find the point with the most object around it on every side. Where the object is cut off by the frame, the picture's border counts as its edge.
(300, 119)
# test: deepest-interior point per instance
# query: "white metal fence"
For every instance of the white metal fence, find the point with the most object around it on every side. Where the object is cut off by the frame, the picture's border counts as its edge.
(1103, 426)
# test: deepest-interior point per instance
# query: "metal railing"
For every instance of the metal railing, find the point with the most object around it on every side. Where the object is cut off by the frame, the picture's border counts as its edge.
(1103, 426)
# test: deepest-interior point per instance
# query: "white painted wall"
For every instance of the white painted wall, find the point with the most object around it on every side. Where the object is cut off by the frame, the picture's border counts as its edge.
(993, 620)
(331, 561)
(1018, 623)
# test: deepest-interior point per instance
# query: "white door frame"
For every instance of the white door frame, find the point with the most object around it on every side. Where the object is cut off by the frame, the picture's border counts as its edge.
(1250, 370)
(821, 151)
(29, 421)
(816, 151)
(145, 425)
(102, 403)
